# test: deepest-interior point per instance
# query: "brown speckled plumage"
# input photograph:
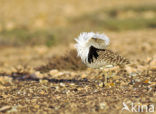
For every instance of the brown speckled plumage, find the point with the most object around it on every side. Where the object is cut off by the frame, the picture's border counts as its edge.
(102, 57)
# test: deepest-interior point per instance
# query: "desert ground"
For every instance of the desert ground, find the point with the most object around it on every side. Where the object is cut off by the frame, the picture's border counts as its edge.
(40, 71)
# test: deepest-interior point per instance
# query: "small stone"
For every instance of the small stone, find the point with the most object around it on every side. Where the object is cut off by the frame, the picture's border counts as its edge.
(72, 84)
(116, 77)
(148, 59)
(60, 74)
(57, 88)
(101, 84)
(2, 87)
(111, 84)
(38, 74)
(153, 65)
(36, 106)
(83, 75)
(153, 68)
(153, 83)
(43, 81)
(103, 105)
(62, 84)
(5, 108)
(73, 105)
(153, 62)
(54, 72)
(13, 109)
(68, 92)
(146, 81)
(130, 69)
(133, 74)
(34, 100)
(42, 92)
(5, 80)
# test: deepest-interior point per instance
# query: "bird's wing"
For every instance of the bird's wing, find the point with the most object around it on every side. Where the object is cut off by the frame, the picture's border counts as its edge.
(110, 57)
(92, 54)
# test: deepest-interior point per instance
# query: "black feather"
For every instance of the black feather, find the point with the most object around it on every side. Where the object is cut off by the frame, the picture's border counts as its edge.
(92, 54)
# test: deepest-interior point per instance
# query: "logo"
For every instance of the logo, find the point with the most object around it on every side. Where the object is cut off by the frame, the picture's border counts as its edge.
(138, 107)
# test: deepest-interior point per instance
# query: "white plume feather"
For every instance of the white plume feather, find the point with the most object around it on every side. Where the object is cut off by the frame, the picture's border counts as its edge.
(85, 40)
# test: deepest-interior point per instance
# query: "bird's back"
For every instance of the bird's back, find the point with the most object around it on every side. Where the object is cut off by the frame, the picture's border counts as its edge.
(101, 57)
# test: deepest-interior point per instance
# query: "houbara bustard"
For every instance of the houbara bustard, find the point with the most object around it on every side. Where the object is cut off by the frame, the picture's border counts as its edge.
(92, 49)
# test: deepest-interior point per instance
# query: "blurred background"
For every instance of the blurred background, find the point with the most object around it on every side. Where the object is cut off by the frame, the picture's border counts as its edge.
(52, 22)
(31, 31)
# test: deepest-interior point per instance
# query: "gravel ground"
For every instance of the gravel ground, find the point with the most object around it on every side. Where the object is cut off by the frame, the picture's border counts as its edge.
(33, 81)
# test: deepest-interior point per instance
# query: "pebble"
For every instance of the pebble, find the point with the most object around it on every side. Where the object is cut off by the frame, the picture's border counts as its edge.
(153, 68)
(62, 84)
(43, 81)
(130, 69)
(101, 84)
(83, 75)
(103, 105)
(13, 109)
(133, 74)
(5, 108)
(153, 62)
(57, 88)
(54, 72)
(72, 84)
(38, 74)
(42, 92)
(146, 81)
(36, 106)
(5, 80)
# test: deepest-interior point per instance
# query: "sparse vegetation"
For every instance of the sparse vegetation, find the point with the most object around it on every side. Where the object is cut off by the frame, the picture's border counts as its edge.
(114, 19)
(124, 18)
(39, 68)
(21, 36)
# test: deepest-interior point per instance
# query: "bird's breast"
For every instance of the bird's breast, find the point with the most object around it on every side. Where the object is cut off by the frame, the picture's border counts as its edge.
(96, 64)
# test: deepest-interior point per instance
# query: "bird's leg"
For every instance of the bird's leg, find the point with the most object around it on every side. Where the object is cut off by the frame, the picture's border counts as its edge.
(106, 78)
(107, 73)
(101, 71)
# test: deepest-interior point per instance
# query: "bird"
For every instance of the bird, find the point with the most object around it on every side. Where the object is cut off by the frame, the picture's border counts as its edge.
(92, 49)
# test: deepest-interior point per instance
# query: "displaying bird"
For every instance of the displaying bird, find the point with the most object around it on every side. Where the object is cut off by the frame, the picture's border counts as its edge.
(91, 48)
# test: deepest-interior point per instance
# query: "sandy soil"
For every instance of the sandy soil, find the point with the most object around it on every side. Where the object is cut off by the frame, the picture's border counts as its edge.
(41, 79)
